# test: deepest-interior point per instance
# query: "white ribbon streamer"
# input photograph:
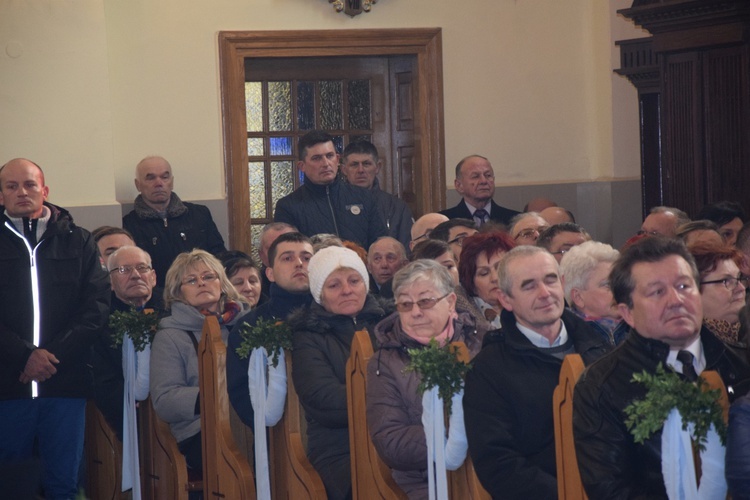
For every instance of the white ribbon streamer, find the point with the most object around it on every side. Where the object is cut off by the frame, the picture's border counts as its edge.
(135, 370)
(268, 407)
(442, 454)
(678, 466)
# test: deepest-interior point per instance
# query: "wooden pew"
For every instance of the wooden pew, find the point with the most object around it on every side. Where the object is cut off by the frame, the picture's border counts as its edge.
(569, 486)
(103, 457)
(292, 475)
(371, 477)
(463, 482)
(165, 472)
(226, 472)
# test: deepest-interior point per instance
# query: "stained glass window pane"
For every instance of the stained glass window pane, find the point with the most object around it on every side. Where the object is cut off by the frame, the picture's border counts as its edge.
(255, 232)
(338, 142)
(257, 178)
(355, 138)
(279, 106)
(281, 146)
(330, 105)
(359, 104)
(255, 146)
(254, 106)
(282, 180)
(305, 105)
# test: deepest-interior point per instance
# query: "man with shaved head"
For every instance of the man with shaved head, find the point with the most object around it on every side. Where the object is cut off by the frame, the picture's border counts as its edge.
(422, 227)
(162, 224)
(55, 301)
(475, 182)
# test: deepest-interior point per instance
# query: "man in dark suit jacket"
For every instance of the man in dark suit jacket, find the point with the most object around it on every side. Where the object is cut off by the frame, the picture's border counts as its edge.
(475, 182)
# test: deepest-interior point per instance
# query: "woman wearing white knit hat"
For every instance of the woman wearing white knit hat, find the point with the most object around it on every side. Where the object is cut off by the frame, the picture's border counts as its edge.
(323, 333)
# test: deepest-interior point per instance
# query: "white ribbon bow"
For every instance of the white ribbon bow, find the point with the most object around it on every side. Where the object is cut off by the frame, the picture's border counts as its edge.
(443, 454)
(268, 407)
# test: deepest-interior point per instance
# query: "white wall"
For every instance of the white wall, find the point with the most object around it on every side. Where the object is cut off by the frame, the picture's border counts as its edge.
(96, 85)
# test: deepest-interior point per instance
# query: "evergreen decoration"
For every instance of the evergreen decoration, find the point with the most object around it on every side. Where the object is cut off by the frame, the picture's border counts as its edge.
(438, 366)
(269, 333)
(696, 403)
(140, 326)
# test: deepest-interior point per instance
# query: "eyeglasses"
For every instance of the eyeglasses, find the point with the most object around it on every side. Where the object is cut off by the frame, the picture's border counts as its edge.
(729, 283)
(206, 278)
(421, 304)
(141, 268)
(458, 240)
(425, 235)
(530, 233)
(650, 233)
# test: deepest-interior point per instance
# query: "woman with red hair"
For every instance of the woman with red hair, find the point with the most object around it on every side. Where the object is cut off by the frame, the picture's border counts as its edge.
(478, 274)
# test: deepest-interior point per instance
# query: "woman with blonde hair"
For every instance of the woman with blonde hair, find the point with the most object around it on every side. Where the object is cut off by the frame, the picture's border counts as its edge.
(196, 287)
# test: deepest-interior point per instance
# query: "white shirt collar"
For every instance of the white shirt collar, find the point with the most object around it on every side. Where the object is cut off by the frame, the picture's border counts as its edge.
(540, 340)
(473, 209)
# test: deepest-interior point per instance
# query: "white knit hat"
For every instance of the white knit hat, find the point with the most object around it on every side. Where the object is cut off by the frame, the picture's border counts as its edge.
(326, 261)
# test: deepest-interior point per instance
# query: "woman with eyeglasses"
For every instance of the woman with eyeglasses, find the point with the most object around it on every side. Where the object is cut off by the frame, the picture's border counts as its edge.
(196, 287)
(722, 290)
(322, 341)
(477, 271)
(426, 309)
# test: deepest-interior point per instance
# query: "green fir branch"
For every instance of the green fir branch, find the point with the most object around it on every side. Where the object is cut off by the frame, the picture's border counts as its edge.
(696, 403)
(438, 366)
(140, 326)
(269, 333)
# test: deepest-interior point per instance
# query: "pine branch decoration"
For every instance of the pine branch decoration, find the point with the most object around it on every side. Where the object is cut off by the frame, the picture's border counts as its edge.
(274, 335)
(666, 390)
(438, 366)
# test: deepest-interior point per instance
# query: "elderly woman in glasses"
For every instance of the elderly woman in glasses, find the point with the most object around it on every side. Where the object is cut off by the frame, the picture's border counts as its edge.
(196, 287)
(477, 272)
(322, 341)
(722, 290)
(426, 305)
(585, 274)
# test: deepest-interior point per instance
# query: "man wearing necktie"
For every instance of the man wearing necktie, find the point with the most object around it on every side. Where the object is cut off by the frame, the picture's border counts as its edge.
(655, 284)
(475, 182)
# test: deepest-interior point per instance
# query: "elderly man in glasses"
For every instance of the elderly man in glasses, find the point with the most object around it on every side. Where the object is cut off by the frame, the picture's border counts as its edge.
(133, 281)
(525, 228)
(507, 404)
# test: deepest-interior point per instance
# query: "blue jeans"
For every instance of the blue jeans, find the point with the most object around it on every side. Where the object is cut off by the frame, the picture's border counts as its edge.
(57, 425)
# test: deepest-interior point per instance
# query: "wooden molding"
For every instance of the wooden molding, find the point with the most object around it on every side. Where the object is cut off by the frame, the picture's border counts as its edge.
(235, 46)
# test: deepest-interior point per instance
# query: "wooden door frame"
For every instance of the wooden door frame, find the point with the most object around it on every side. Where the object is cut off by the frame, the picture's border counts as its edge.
(424, 43)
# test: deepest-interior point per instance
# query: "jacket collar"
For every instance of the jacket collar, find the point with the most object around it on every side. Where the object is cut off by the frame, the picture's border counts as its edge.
(174, 209)
(320, 189)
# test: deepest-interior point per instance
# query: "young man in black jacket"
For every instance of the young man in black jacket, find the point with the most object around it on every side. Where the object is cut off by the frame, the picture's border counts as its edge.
(326, 204)
(55, 301)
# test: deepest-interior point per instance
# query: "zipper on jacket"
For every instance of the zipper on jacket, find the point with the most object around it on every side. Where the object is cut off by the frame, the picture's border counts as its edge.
(165, 221)
(34, 295)
(330, 205)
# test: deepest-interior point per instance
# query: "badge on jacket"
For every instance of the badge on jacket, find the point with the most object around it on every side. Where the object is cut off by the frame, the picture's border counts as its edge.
(354, 209)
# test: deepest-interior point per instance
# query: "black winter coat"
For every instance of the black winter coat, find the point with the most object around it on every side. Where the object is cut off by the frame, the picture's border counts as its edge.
(508, 408)
(338, 208)
(186, 226)
(73, 305)
(321, 346)
(611, 464)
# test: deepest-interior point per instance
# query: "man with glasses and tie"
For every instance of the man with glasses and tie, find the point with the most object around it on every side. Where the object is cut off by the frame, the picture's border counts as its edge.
(508, 398)
(55, 300)
(475, 182)
(655, 283)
